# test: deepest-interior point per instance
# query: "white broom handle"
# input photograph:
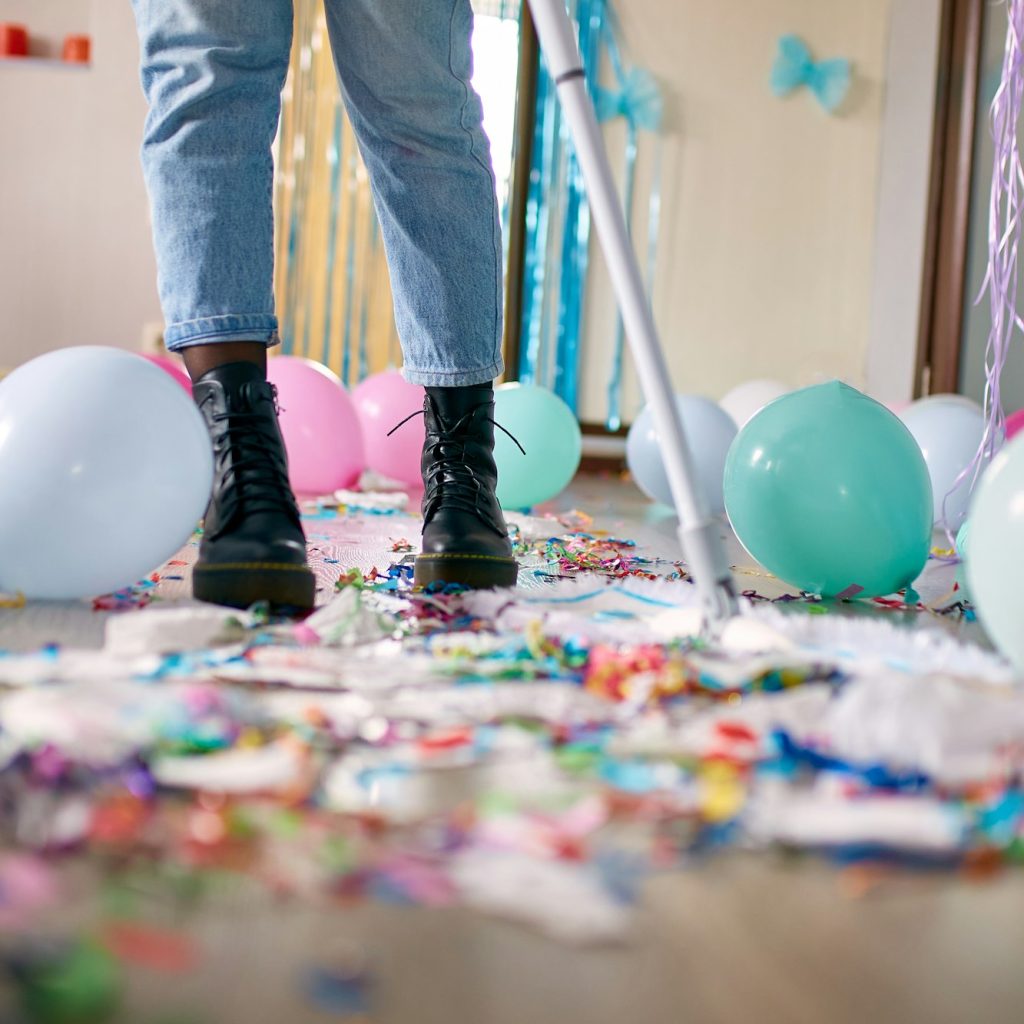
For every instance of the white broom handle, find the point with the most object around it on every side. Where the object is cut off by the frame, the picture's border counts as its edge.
(698, 531)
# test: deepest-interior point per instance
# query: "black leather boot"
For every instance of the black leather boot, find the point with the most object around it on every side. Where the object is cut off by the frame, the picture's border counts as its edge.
(253, 548)
(465, 539)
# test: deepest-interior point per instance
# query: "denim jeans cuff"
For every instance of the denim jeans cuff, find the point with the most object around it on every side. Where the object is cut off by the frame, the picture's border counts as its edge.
(452, 378)
(209, 330)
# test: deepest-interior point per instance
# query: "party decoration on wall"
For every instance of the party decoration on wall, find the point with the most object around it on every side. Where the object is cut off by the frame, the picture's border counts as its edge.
(320, 425)
(828, 490)
(948, 429)
(557, 244)
(996, 559)
(551, 445)
(92, 500)
(709, 431)
(828, 80)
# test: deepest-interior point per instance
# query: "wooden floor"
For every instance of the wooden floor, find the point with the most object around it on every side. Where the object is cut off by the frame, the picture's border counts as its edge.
(733, 941)
(740, 938)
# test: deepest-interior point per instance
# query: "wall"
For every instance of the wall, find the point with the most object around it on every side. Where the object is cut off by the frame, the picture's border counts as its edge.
(76, 264)
(769, 208)
(768, 221)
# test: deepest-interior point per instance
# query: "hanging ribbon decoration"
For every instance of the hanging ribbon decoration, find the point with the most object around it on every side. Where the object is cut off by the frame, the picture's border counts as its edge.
(828, 80)
(557, 248)
(538, 209)
(638, 100)
(1005, 228)
(575, 245)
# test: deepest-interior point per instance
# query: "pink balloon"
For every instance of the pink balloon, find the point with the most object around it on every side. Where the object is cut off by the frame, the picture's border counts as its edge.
(320, 426)
(174, 369)
(1014, 424)
(382, 401)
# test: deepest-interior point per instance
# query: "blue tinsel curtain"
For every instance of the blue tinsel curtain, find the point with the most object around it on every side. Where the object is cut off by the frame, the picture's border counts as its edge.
(557, 246)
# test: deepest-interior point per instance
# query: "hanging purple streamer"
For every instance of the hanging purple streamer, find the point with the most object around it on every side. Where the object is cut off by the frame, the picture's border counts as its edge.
(1005, 220)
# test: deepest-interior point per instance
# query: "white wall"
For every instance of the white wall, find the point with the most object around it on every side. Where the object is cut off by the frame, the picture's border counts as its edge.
(76, 263)
(768, 240)
(769, 208)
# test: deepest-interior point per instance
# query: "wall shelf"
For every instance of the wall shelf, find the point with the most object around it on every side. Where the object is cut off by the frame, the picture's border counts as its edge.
(43, 62)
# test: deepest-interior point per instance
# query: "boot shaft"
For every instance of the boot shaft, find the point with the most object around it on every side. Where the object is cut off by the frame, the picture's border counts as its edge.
(459, 427)
(239, 406)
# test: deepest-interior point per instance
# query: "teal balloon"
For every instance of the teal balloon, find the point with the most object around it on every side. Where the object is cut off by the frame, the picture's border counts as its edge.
(995, 562)
(550, 435)
(828, 490)
(961, 546)
(962, 540)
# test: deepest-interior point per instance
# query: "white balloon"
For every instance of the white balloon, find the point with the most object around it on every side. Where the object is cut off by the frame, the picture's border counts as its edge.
(709, 431)
(746, 400)
(995, 551)
(105, 470)
(948, 429)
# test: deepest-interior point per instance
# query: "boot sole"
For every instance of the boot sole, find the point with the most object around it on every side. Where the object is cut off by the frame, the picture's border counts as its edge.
(288, 588)
(479, 572)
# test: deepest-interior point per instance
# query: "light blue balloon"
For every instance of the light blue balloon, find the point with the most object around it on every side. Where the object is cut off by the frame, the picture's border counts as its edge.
(709, 431)
(995, 564)
(829, 491)
(105, 469)
(550, 435)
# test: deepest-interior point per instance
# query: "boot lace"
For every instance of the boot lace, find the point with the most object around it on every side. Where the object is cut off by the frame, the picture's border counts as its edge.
(249, 466)
(451, 481)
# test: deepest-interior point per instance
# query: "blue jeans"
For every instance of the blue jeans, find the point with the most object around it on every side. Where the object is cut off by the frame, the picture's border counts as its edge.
(212, 73)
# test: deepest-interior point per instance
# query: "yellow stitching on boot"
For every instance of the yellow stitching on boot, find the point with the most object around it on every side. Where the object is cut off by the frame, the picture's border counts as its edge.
(247, 566)
(485, 558)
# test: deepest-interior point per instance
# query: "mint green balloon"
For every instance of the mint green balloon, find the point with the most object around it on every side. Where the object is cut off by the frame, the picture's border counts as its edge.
(963, 539)
(549, 433)
(828, 490)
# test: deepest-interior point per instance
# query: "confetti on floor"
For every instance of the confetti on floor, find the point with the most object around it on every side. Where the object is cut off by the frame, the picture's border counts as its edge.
(535, 754)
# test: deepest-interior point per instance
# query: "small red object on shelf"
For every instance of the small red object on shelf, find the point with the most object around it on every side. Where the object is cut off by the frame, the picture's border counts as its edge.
(77, 49)
(13, 40)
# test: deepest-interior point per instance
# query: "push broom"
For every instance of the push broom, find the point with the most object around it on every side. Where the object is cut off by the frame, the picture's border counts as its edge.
(698, 530)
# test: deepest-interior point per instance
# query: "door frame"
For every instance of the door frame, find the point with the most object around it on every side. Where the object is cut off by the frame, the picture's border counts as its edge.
(943, 293)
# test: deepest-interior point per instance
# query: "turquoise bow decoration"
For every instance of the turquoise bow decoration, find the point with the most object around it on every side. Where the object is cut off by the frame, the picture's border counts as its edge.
(829, 80)
(638, 100)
